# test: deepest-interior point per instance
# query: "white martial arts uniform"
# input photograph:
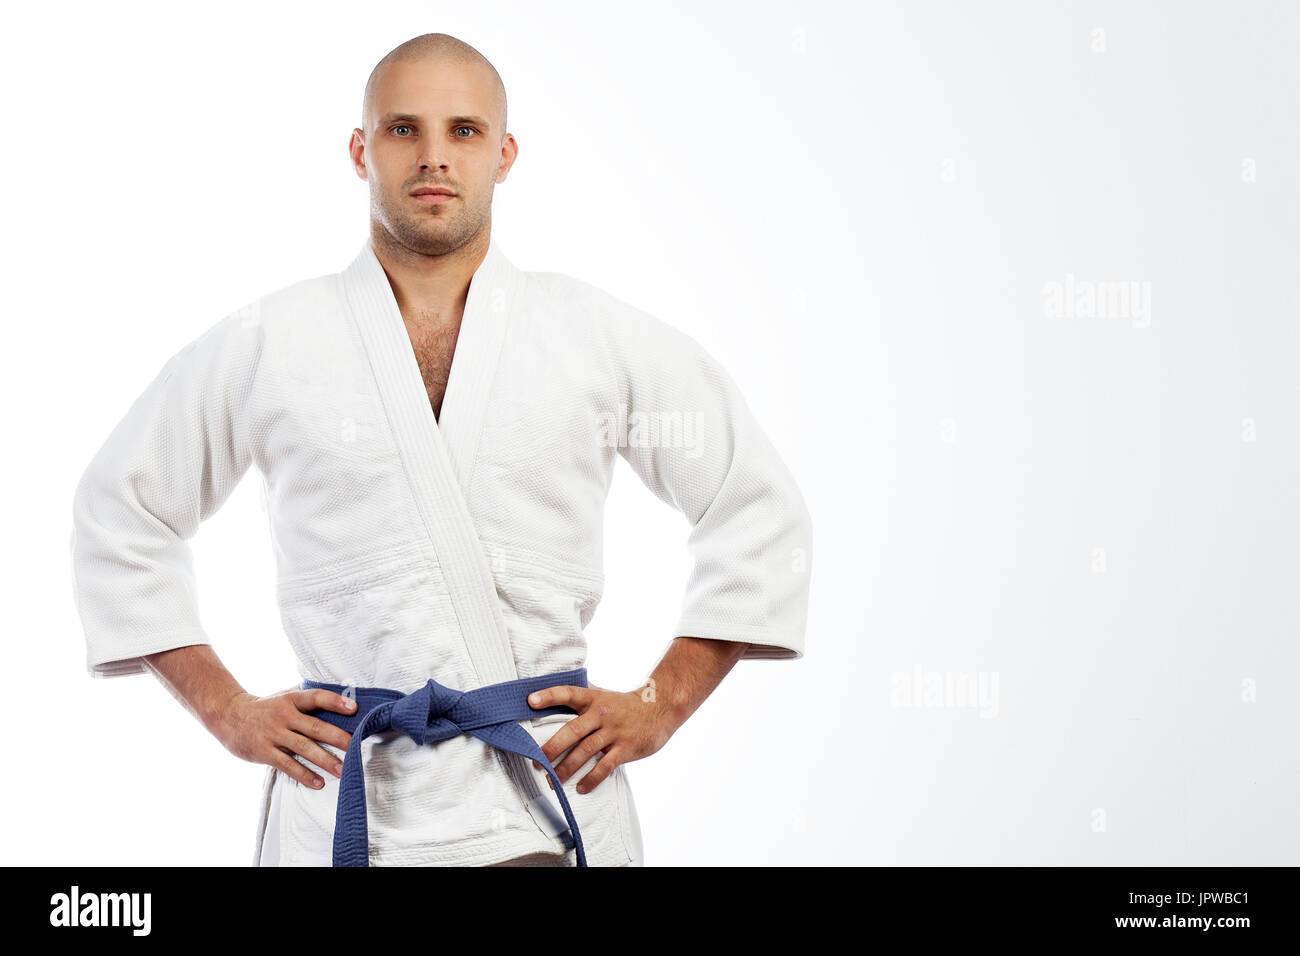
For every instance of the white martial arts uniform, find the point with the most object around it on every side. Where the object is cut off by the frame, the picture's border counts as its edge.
(467, 549)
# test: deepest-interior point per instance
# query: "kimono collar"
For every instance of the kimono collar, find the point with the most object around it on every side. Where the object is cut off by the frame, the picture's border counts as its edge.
(494, 296)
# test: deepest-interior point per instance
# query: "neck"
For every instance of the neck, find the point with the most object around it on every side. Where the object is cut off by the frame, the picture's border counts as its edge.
(429, 284)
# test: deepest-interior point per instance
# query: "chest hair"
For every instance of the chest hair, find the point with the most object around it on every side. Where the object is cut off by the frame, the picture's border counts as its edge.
(434, 344)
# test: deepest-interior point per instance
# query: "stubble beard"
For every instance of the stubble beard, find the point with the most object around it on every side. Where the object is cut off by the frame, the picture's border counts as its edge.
(428, 233)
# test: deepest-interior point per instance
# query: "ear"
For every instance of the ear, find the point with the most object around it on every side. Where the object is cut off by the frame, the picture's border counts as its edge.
(509, 153)
(357, 151)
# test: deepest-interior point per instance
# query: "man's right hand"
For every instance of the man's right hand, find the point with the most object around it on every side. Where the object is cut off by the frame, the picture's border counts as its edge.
(271, 730)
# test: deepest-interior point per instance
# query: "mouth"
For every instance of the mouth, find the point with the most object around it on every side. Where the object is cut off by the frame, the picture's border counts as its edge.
(433, 196)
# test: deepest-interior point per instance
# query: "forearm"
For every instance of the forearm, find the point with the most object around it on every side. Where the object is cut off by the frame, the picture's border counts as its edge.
(689, 671)
(196, 677)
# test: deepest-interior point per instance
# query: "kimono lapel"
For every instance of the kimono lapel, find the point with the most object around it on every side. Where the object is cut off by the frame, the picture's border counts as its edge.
(439, 460)
(493, 296)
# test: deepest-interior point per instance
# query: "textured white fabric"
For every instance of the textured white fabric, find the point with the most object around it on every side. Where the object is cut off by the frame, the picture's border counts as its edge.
(466, 549)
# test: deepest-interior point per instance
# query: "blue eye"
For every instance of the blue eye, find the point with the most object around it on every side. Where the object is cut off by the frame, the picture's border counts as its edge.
(396, 128)
(459, 128)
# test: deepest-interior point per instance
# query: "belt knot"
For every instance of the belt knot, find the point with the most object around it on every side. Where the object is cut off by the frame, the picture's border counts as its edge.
(422, 715)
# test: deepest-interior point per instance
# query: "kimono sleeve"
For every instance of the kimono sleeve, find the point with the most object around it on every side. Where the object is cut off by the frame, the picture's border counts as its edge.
(693, 441)
(168, 465)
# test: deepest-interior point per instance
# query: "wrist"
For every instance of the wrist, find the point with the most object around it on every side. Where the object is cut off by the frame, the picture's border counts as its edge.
(668, 712)
(215, 715)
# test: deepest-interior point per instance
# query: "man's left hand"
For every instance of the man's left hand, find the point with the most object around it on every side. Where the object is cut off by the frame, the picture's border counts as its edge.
(626, 725)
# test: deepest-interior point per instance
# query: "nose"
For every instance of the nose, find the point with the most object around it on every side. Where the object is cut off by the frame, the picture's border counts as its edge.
(431, 157)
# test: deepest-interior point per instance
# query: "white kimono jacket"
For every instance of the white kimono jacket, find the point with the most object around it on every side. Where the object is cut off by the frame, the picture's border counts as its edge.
(466, 549)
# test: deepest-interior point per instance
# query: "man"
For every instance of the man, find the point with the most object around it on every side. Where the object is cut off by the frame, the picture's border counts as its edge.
(437, 523)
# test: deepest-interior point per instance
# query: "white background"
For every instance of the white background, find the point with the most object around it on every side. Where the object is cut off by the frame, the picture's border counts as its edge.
(856, 208)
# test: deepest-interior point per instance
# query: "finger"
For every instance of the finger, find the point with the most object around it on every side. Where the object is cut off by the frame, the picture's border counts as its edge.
(310, 750)
(283, 761)
(585, 749)
(570, 734)
(322, 730)
(318, 698)
(599, 772)
(567, 694)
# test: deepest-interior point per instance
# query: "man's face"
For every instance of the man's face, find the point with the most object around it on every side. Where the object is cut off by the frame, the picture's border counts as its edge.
(432, 124)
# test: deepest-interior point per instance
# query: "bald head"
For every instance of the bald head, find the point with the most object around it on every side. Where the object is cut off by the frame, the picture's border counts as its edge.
(437, 48)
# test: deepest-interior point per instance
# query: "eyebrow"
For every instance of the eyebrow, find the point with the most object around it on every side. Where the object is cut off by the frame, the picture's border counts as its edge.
(412, 118)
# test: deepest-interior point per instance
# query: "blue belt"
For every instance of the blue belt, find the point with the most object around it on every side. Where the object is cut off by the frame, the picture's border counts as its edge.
(428, 715)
